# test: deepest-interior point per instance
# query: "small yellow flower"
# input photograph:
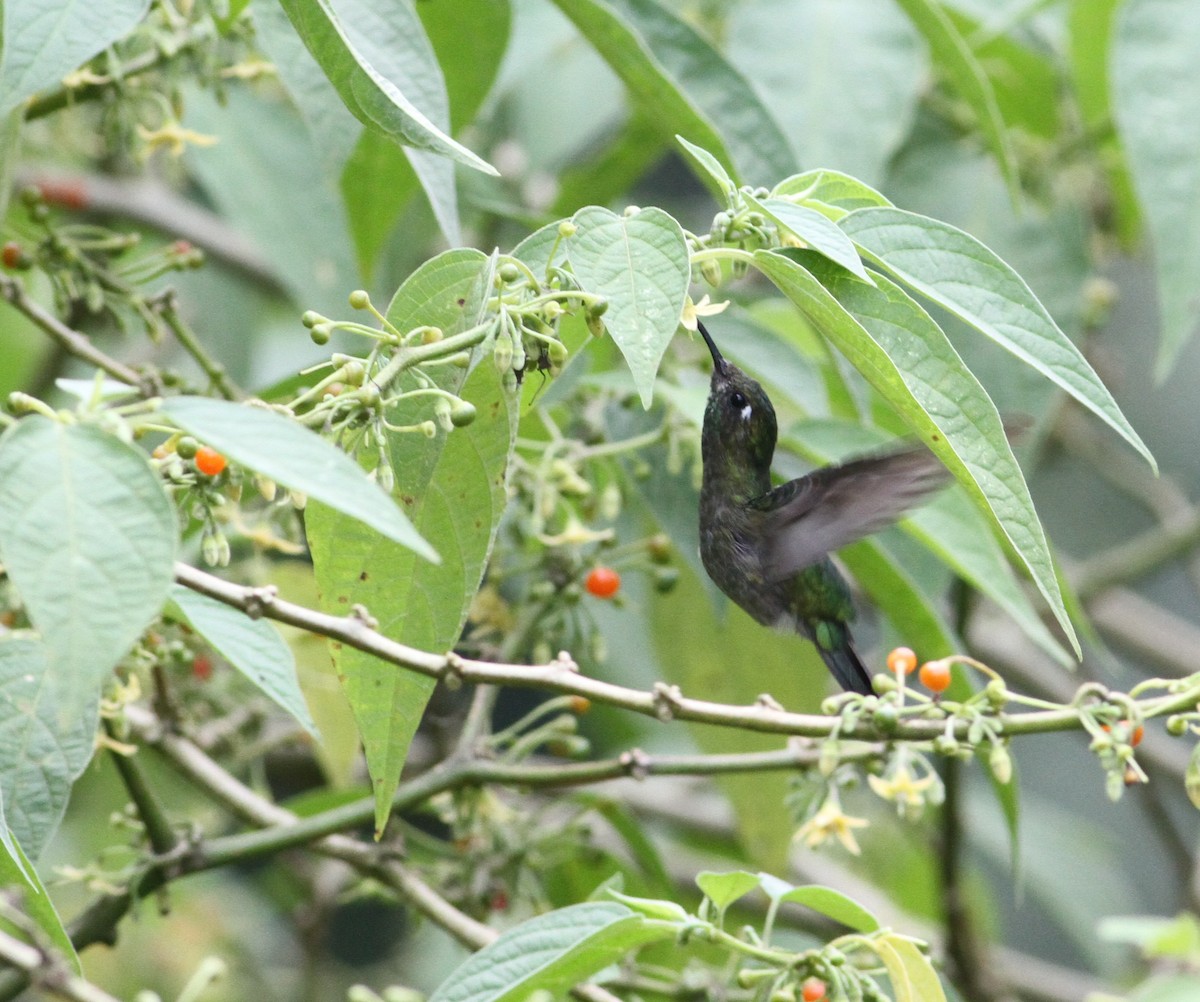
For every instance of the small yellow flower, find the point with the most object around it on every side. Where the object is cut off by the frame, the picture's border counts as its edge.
(903, 789)
(575, 533)
(692, 312)
(172, 137)
(831, 822)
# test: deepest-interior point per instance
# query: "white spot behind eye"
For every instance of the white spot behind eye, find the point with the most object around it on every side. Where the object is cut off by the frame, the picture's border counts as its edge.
(746, 413)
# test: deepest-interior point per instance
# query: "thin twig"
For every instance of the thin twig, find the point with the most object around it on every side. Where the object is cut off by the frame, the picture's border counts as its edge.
(662, 702)
(76, 343)
(50, 973)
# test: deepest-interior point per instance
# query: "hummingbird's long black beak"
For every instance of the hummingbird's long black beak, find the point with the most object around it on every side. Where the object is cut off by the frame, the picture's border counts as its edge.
(718, 359)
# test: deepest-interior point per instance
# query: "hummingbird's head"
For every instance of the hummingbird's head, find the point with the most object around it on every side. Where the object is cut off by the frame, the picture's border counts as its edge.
(739, 421)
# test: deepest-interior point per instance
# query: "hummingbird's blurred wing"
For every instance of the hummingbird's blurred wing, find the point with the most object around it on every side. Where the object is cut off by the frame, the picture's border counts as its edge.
(809, 517)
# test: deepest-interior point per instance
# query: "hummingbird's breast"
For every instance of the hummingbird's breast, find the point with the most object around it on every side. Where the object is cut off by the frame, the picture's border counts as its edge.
(730, 549)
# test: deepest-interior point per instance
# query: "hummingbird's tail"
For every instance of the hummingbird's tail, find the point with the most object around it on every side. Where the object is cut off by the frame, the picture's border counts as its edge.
(832, 640)
(849, 671)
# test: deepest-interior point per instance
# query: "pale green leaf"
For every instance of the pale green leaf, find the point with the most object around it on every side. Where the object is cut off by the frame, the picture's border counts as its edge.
(912, 975)
(830, 188)
(833, 904)
(723, 889)
(954, 58)
(818, 232)
(253, 646)
(956, 271)
(44, 40)
(16, 872)
(640, 264)
(1156, 101)
(681, 82)
(453, 487)
(381, 63)
(47, 732)
(711, 166)
(842, 77)
(907, 358)
(88, 537)
(290, 454)
(551, 952)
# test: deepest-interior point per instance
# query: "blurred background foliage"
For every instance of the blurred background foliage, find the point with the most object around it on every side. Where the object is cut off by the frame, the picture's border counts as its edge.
(295, 205)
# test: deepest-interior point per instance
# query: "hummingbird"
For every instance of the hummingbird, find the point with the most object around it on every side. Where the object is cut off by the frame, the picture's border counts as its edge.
(767, 547)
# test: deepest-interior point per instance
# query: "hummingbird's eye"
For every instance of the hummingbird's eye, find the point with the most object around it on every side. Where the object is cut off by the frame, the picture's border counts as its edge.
(737, 399)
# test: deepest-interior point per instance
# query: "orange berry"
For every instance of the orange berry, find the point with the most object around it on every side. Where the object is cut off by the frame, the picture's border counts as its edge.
(901, 659)
(12, 255)
(603, 582)
(935, 676)
(202, 667)
(813, 990)
(209, 461)
(580, 705)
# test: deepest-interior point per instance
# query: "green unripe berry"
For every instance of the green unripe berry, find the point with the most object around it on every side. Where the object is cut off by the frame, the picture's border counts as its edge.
(186, 447)
(462, 413)
(556, 351)
(320, 333)
(311, 318)
(566, 229)
(1177, 725)
(508, 273)
(598, 307)
(359, 300)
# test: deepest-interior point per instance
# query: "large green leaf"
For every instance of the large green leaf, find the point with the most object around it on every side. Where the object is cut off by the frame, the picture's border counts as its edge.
(290, 454)
(44, 40)
(685, 85)
(959, 273)
(640, 263)
(453, 487)
(47, 732)
(954, 58)
(907, 358)
(842, 77)
(818, 231)
(1091, 26)
(730, 658)
(16, 872)
(88, 538)
(910, 971)
(381, 63)
(253, 646)
(551, 953)
(1156, 100)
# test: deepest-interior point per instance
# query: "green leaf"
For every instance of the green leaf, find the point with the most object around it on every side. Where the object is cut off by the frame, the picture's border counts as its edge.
(47, 733)
(711, 166)
(44, 40)
(953, 57)
(1025, 82)
(469, 39)
(1156, 101)
(956, 271)
(832, 904)
(950, 527)
(842, 77)
(912, 975)
(381, 63)
(695, 647)
(723, 889)
(1091, 25)
(907, 358)
(817, 231)
(267, 178)
(88, 538)
(551, 952)
(16, 872)
(680, 81)
(640, 264)
(290, 454)
(253, 646)
(830, 188)
(453, 487)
